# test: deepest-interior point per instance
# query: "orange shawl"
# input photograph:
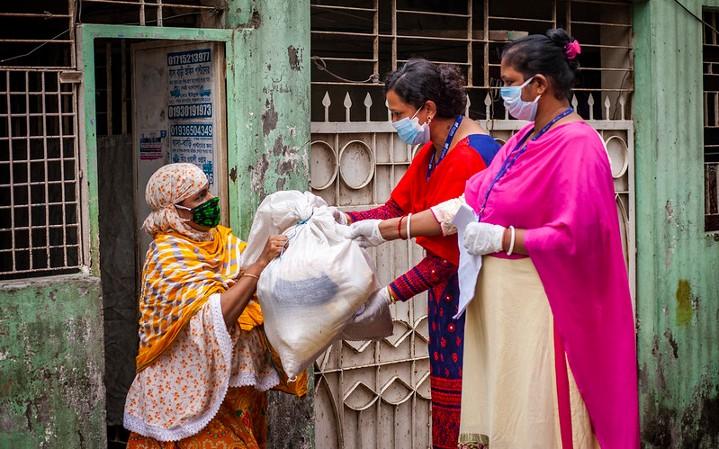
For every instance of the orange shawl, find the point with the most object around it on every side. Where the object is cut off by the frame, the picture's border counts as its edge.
(177, 280)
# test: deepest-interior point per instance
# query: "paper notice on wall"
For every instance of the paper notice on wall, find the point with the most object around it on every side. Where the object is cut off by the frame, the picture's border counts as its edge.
(469, 265)
(190, 109)
(151, 145)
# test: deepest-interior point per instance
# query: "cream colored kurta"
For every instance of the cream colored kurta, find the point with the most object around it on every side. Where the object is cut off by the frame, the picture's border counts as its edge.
(509, 394)
(509, 389)
(177, 395)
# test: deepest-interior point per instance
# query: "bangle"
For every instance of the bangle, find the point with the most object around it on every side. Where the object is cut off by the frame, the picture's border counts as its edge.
(392, 297)
(511, 241)
(409, 223)
(250, 275)
(399, 227)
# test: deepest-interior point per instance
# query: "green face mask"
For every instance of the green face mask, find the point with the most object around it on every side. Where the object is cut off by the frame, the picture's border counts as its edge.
(206, 214)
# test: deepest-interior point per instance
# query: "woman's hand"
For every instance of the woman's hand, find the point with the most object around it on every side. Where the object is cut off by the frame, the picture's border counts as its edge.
(483, 238)
(340, 217)
(367, 233)
(273, 248)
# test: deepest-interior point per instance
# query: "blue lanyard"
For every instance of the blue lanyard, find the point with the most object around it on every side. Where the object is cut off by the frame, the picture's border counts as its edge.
(445, 149)
(517, 151)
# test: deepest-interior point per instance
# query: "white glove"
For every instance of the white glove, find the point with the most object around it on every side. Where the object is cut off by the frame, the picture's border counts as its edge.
(339, 216)
(483, 238)
(376, 301)
(372, 320)
(366, 233)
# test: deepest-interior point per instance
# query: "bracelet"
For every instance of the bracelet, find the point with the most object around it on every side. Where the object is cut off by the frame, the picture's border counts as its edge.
(250, 275)
(511, 241)
(409, 223)
(392, 297)
(399, 227)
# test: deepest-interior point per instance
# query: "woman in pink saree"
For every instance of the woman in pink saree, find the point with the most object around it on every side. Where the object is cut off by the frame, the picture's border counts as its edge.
(550, 357)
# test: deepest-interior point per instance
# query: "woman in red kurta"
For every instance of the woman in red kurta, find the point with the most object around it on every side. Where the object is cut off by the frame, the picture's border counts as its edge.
(427, 103)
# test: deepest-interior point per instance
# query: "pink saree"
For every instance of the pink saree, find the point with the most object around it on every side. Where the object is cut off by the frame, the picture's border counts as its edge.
(560, 190)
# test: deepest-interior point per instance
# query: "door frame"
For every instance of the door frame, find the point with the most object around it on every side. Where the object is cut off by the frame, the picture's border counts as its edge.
(86, 35)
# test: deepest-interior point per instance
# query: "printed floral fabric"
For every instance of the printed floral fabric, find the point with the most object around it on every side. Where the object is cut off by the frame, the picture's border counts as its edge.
(180, 393)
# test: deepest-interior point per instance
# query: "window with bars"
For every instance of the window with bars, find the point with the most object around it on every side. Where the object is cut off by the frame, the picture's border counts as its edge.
(356, 42)
(40, 206)
(710, 53)
(39, 175)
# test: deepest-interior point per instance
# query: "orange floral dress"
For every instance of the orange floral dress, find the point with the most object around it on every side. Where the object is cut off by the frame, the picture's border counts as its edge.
(207, 390)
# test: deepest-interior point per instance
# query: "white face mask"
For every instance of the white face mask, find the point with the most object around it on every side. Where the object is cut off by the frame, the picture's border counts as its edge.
(410, 131)
(518, 108)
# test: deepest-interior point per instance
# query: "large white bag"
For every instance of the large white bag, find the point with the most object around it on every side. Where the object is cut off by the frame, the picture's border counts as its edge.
(312, 291)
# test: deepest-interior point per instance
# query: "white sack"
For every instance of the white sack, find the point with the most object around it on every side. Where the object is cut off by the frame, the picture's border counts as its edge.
(312, 291)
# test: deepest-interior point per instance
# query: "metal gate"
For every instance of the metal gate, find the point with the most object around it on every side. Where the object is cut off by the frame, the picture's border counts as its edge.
(376, 394)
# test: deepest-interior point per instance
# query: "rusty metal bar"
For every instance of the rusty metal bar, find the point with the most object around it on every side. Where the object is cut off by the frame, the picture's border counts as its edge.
(41, 15)
(433, 13)
(602, 2)
(10, 159)
(28, 165)
(394, 34)
(375, 42)
(604, 24)
(108, 90)
(521, 19)
(71, 26)
(342, 8)
(150, 3)
(36, 41)
(45, 154)
(62, 166)
(123, 86)
(470, 50)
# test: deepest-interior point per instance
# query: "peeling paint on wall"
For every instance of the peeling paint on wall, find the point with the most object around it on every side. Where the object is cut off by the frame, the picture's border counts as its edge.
(295, 58)
(684, 302)
(52, 394)
(269, 117)
(258, 173)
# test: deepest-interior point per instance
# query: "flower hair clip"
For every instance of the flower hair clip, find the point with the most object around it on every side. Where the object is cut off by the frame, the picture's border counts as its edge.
(572, 50)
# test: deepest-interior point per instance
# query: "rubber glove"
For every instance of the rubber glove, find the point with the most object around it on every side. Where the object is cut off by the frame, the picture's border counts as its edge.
(483, 238)
(372, 320)
(339, 216)
(366, 233)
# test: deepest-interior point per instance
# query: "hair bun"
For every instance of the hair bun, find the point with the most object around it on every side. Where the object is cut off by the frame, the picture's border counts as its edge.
(559, 37)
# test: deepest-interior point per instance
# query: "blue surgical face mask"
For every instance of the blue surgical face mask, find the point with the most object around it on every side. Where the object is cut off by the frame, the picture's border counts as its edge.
(518, 108)
(410, 131)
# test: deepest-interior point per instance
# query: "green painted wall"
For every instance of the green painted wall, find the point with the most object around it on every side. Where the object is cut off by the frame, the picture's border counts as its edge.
(51, 364)
(273, 103)
(51, 329)
(677, 263)
(273, 125)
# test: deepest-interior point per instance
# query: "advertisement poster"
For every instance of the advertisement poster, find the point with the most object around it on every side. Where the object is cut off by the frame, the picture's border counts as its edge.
(151, 145)
(189, 112)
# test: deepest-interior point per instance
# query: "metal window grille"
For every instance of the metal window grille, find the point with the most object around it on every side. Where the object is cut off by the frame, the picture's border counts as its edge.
(354, 43)
(39, 34)
(39, 174)
(187, 13)
(711, 122)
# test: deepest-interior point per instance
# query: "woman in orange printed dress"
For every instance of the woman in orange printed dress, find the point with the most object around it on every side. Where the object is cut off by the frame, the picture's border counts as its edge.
(203, 365)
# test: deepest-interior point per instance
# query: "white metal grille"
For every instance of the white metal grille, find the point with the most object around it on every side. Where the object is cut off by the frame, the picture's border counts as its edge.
(39, 178)
(711, 122)
(376, 394)
(384, 386)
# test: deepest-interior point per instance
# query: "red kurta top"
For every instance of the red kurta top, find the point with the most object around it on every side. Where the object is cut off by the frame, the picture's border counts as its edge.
(414, 193)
